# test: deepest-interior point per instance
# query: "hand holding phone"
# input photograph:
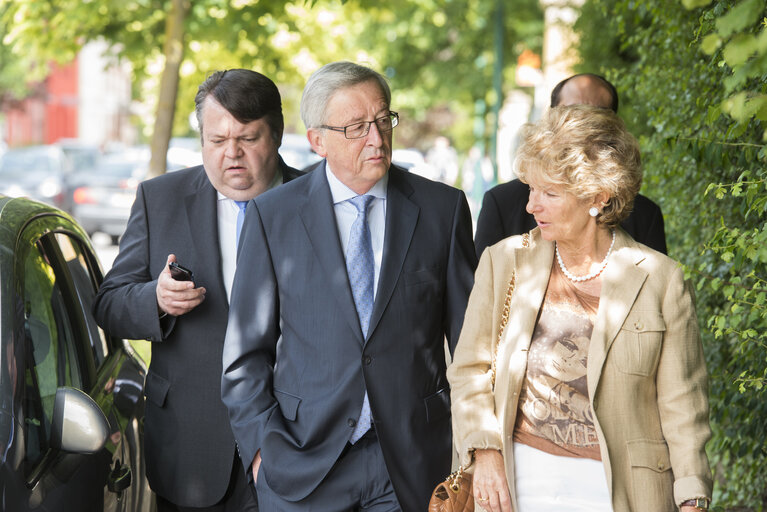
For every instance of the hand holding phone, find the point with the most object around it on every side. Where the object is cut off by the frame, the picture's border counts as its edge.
(180, 273)
(177, 293)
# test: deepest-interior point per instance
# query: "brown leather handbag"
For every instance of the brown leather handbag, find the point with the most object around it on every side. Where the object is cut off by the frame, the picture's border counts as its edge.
(455, 493)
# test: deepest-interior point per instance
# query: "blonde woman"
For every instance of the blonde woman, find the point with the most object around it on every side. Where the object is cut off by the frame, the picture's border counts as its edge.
(592, 394)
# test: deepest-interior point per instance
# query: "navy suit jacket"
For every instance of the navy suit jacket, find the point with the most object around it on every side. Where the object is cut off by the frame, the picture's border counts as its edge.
(189, 445)
(503, 215)
(296, 365)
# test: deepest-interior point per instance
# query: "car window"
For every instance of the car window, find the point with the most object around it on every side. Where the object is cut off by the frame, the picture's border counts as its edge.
(85, 286)
(52, 360)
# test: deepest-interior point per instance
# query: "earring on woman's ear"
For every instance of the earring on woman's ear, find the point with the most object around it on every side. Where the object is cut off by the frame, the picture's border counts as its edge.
(593, 211)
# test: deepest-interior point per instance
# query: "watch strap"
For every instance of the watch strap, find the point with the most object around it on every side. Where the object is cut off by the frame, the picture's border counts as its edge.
(701, 503)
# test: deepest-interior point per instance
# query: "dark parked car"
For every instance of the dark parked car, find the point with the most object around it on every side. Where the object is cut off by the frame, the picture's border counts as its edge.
(71, 397)
(38, 172)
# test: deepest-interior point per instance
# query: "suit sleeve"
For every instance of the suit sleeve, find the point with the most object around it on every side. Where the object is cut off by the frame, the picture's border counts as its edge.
(682, 384)
(126, 305)
(460, 271)
(489, 224)
(251, 342)
(656, 232)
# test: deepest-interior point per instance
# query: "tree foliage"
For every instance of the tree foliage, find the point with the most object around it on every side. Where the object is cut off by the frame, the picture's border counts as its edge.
(693, 77)
(438, 54)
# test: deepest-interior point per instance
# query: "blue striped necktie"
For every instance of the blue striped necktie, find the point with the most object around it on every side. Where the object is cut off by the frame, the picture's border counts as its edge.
(361, 269)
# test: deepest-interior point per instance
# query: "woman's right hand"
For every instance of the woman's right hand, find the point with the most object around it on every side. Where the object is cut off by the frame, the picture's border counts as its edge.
(491, 491)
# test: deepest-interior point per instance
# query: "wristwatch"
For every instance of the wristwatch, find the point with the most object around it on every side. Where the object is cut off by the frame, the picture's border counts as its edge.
(699, 503)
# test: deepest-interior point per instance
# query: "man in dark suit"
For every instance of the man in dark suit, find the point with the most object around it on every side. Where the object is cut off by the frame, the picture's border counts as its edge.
(334, 360)
(503, 211)
(193, 214)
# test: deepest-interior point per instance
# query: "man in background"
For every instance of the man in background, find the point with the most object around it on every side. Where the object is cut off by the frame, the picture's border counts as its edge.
(194, 216)
(503, 211)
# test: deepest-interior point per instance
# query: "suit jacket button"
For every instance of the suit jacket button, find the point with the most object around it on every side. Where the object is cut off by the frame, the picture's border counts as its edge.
(638, 326)
(367, 360)
(661, 466)
(351, 422)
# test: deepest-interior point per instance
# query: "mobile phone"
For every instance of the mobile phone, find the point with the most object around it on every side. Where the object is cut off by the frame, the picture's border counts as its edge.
(180, 273)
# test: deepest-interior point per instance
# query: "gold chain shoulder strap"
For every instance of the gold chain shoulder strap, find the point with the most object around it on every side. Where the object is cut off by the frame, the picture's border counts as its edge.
(504, 321)
(505, 313)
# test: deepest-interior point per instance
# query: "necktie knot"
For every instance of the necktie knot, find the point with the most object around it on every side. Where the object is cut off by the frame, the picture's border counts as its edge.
(361, 203)
(241, 205)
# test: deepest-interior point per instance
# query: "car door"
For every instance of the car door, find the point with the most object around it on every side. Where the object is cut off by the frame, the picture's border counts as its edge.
(65, 347)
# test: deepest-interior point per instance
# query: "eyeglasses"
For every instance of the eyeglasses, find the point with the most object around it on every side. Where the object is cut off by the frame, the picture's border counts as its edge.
(358, 130)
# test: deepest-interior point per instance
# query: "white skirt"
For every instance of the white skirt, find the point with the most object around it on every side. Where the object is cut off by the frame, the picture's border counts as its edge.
(551, 483)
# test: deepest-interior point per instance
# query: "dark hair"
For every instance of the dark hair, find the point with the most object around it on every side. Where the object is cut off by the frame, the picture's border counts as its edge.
(245, 94)
(610, 88)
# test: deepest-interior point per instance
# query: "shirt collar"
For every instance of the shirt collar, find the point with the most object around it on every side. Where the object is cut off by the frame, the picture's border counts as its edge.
(341, 192)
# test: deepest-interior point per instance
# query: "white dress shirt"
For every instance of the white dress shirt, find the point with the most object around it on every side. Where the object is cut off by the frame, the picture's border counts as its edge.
(346, 213)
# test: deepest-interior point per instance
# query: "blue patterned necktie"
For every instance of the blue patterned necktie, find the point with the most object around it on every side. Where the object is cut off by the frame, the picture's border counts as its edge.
(242, 205)
(361, 268)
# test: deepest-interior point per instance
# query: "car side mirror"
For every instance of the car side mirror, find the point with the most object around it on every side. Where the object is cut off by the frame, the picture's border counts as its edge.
(79, 425)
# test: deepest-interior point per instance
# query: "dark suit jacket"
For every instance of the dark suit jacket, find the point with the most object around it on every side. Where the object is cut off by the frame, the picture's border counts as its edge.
(503, 214)
(296, 365)
(189, 444)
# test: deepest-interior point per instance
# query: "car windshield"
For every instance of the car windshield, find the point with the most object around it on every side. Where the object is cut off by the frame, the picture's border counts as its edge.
(22, 161)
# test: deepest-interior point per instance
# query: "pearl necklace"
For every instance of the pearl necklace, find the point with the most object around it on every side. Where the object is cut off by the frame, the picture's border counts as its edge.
(577, 279)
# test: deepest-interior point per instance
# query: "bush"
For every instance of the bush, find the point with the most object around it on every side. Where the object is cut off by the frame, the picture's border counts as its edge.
(692, 77)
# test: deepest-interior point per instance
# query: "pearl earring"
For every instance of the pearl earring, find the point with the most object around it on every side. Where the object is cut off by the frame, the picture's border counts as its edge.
(593, 211)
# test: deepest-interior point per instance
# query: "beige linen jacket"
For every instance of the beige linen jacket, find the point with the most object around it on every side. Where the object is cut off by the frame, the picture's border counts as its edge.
(646, 373)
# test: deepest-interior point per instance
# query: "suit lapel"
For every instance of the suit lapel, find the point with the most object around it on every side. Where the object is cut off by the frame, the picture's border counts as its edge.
(621, 282)
(319, 221)
(202, 217)
(401, 219)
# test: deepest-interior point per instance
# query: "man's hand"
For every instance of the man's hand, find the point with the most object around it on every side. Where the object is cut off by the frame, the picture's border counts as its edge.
(177, 297)
(255, 466)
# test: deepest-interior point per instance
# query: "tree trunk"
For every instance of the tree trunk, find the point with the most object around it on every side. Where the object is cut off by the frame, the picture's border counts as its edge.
(166, 105)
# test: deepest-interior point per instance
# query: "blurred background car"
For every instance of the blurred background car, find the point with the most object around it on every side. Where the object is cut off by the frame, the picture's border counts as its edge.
(71, 397)
(37, 172)
(82, 155)
(184, 152)
(102, 195)
(412, 160)
(296, 151)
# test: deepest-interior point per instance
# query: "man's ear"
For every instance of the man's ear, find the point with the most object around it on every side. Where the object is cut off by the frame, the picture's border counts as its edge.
(316, 138)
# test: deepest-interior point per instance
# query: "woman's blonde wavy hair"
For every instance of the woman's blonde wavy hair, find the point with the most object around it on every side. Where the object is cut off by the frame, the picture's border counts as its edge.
(586, 150)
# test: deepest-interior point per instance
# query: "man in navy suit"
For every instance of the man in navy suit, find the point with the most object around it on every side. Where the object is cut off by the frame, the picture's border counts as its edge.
(503, 211)
(338, 398)
(192, 215)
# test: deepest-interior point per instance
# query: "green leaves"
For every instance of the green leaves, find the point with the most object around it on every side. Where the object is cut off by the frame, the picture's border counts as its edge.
(743, 15)
(692, 4)
(693, 85)
(743, 106)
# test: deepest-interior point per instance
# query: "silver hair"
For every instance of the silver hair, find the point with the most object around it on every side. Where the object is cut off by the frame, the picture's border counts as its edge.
(324, 83)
